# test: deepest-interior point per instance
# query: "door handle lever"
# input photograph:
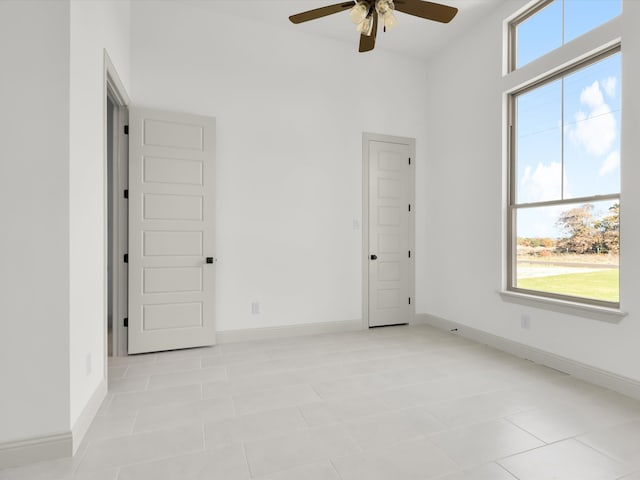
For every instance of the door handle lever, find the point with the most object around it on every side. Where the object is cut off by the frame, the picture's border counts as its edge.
(211, 260)
(374, 257)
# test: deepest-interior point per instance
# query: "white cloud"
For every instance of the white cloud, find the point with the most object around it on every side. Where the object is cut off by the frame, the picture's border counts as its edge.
(541, 184)
(610, 85)
(595, 130)
(526, 175)
(591, 96)
(611, 163)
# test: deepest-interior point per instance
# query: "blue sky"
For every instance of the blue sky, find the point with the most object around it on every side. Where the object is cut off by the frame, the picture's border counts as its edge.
(567, 145)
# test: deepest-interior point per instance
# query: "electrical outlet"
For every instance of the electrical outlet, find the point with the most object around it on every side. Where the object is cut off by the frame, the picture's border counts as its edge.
(255, 308)
(525, 322)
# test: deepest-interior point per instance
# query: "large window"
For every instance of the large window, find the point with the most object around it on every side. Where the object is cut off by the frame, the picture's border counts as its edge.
(564, 185)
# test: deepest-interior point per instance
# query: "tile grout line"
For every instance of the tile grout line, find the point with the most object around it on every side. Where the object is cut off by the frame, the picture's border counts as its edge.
(135, 420)
(150, 460)
(302, 415)
(335, 469)
(506, 419)
(246, 458)
(505, 469)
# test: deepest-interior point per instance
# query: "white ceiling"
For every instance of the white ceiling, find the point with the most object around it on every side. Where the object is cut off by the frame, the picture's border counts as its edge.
(413, 36)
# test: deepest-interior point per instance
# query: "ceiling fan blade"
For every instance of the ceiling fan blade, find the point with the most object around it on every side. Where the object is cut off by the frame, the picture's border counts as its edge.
(367, 43)
(428, 10)
(320, 12)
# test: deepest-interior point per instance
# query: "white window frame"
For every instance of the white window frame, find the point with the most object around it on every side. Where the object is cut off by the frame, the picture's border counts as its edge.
(591, 47)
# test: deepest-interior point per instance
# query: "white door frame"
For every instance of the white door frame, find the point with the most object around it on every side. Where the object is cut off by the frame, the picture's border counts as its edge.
(411, 142)
(114, 88)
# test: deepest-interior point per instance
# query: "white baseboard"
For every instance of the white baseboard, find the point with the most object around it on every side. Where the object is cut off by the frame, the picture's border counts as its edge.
(22, 452)
(87, 415)
(618, 383)
(51, 447)
(421, 319)
(250, 334)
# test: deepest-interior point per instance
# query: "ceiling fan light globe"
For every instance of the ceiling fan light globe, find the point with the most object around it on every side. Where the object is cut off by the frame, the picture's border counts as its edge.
(384, 6)
(359, 12)
(366, 26)
(389, 20)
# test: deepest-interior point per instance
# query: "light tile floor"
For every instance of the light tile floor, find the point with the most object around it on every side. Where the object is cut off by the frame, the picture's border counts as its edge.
(397, 403)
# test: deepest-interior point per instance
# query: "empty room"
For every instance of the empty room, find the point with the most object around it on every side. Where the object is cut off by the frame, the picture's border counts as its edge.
(298, 239)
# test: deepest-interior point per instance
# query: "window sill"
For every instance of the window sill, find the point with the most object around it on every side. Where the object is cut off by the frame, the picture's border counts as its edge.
(605, 314)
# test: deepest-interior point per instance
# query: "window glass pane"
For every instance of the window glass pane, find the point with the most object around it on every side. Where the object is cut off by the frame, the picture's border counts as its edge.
(558, 23)
(539, 144)
(539, 34)
(569, 250)
(592, 129)
(580, 16)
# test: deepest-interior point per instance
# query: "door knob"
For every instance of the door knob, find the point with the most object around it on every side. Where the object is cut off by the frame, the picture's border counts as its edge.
(374, 257)
(211, 259)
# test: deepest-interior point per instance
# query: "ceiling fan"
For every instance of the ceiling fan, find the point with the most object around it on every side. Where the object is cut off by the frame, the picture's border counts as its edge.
(365, 14)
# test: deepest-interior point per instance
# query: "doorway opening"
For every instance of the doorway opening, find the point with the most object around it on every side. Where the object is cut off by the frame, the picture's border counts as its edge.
(116, 210)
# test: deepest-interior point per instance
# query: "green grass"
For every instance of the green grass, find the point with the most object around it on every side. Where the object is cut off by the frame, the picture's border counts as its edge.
(600, 285)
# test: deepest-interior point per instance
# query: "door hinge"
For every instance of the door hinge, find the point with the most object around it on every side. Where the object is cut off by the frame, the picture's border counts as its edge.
(126, 258)
(126, 129)
(409, 253)
(409, 207)
(409, 300)
(126, 193)
(126, 322)
(409, 160)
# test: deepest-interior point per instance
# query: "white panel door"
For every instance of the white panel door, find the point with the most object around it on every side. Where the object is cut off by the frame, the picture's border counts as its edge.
(389, 211)
(171, 231)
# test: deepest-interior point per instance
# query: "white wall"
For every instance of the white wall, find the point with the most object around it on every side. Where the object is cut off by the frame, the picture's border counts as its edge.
(34, 208)
(465, 206)
(52, 201)
(291, 109)
(95, 26)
